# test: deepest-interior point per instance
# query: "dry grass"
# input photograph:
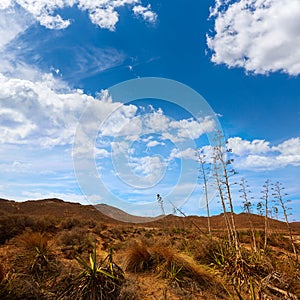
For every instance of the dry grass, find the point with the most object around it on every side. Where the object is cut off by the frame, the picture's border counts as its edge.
(162, 260)
(181, 271)
(137, 259)
(75, 241)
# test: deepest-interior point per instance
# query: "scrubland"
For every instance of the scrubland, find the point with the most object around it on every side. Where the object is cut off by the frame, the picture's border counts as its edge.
(68, 254)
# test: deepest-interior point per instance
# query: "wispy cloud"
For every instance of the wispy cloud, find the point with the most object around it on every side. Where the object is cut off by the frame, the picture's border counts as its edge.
(88, 61)
(260, 36)
(13, 21)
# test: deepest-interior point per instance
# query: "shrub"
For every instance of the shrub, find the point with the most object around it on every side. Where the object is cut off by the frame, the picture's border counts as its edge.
(74, 242)
(70, 223)
(11, 226)
(36, 259)
(97, 280)
(180, 269)
(20, 287)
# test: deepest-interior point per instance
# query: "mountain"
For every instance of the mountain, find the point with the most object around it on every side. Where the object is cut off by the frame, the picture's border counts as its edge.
(121, 215)
(112, 215)
(55, 207)
(60, 208)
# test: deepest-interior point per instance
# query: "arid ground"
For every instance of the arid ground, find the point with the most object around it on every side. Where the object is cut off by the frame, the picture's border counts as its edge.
(51, 249)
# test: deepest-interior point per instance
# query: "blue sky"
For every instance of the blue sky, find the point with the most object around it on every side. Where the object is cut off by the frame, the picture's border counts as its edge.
(59, 57)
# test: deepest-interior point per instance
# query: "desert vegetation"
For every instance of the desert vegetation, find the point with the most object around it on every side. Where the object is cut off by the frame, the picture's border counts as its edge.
(73, 257)
(51, 249)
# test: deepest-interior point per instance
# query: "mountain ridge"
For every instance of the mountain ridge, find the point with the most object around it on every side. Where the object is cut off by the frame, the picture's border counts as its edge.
(106, 213)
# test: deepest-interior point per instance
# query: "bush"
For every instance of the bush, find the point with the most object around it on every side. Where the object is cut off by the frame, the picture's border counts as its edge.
(75, 242)
(98, 280)
(12, 226)
(20, 287)
(36, 259)
(181, 270)
(70, 223)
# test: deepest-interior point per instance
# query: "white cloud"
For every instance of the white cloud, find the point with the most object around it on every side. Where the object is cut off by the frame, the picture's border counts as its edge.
(125, 123)
(35, 113)
(16, 167)
(53, 22)
(101, 12)
(260, 36)
(104, 17)
(120, 148)
(259, 155)
(193, 129)
(42, 11)
(13, 21)
(242, 147)
(148, 170)
(63, 196)
(156, 121)
(145, 13)
(5, 4)
(188, 153)
(155, 143)
(257, 162)
(101, 153)
(46, 113)
(122, 122)
(289, 147)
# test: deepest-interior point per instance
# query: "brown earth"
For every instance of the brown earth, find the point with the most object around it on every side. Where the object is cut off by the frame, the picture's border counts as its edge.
(102, 212)
(167, 258)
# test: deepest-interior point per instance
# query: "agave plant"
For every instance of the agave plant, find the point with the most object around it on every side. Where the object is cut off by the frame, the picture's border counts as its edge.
(97, 280)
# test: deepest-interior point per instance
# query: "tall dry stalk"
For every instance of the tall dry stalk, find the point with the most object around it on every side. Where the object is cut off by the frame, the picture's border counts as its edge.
(221, 155)
(160, 202)
(203, 175)
(278, 189)
(247, 207)
(223, 200)
(265, 206)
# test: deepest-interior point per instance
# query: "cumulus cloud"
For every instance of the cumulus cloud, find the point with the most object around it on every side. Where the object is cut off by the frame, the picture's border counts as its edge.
(122, 122)
(33, 112)
(128, 125)
(260, 155)
(289, 147)
(156, 121)
(147, 166)
(5, 4)
(242, 147)
(188, 153)
(38, 113)
(53, 22)
(260, 36)
(103, 13)
(145, 13)
(193, 129)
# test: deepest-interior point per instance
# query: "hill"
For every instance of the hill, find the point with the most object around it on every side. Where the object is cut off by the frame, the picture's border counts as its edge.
(109, 214)
(51, 249)
(121, 215)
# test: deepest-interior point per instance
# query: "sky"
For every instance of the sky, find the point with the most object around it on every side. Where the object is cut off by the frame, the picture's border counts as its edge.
(105, 101)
